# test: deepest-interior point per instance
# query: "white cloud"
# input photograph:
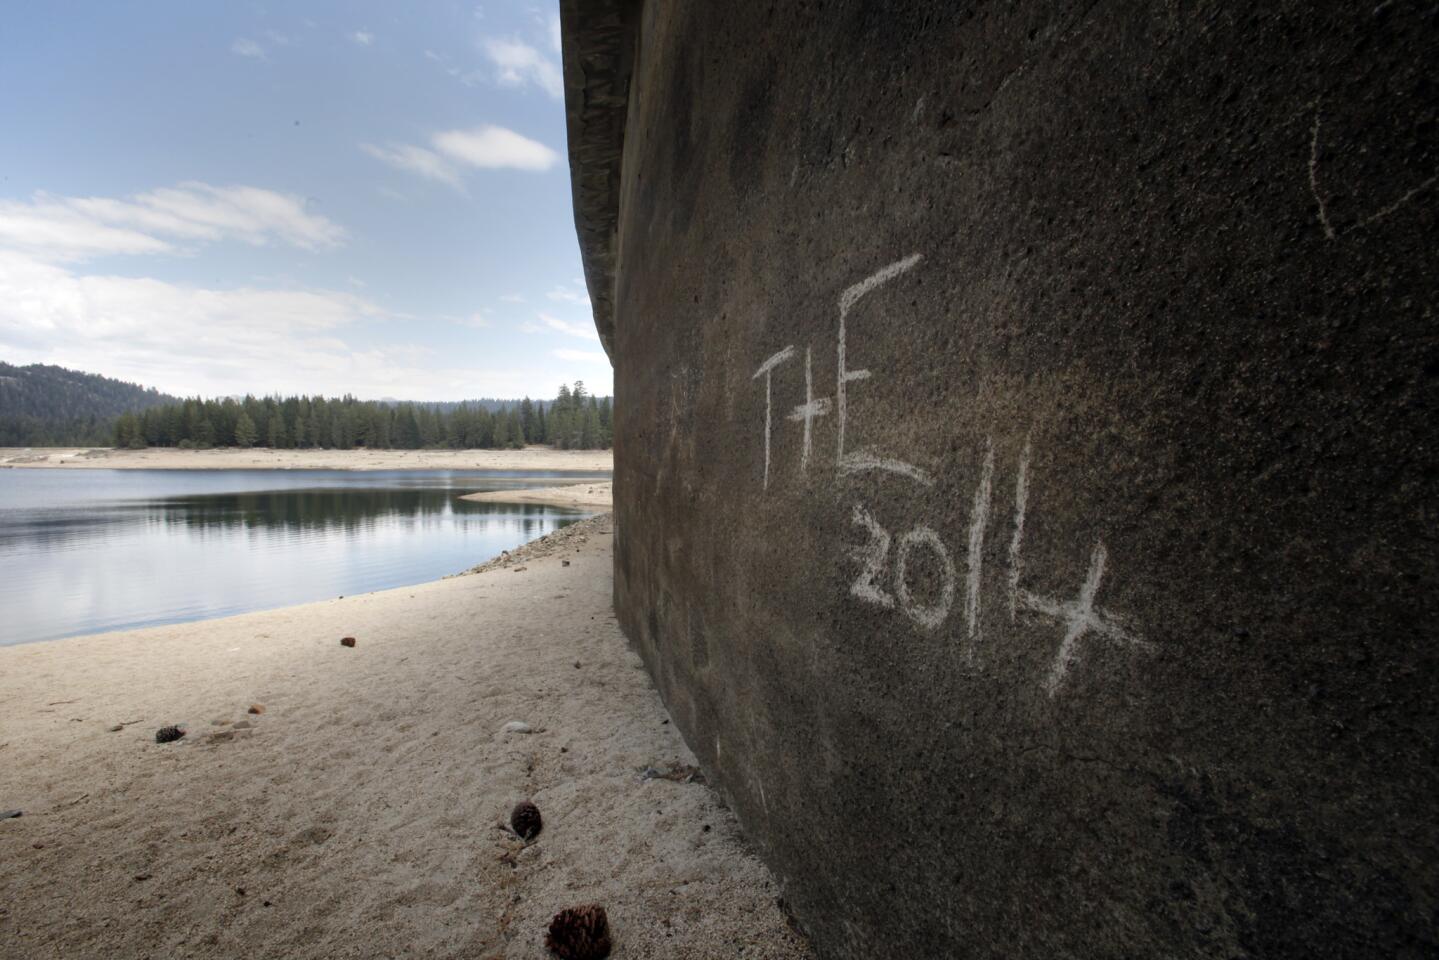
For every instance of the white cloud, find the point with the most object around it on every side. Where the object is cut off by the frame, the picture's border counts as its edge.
(492, 147)
(568, 294)
(517, 64)
(477, 320)
(417, 160)
(216, 342)
(75, 228)
(512, 298)
(488, 147)
(585, 331)
(555, 32)
(362, 37)
(247, 48)
(582, 356)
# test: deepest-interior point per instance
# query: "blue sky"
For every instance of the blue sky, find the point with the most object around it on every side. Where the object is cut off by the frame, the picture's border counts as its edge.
(224, 197)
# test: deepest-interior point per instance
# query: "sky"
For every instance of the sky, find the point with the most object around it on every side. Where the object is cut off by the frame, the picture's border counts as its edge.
(218, 198)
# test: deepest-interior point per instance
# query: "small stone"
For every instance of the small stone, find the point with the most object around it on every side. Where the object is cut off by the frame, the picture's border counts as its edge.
(117, 728)
(240, 891)
(11, 814)
(516, 726)
(256, 708)
(577, 664)
(564, 563)
(525, 820)
(142, 876)
(244, 725)
(347, 641)
(521, 569)
(169, 734)
(37, 846)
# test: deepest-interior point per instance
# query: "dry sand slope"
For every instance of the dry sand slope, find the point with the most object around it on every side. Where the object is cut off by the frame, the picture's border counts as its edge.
(357, 816)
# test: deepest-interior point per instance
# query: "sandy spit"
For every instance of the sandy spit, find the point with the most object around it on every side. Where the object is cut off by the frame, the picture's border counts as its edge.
(359, 814)
(263, 458)
(565, 495)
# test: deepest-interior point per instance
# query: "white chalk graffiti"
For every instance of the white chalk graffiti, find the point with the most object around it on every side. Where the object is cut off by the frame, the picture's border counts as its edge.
(875, 557)
(765, 369)
(1080, 617)
(886, 584)
(811, 408)
(862, 460)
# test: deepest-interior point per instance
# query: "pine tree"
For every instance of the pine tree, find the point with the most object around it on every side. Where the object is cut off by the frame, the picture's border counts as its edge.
(245, 432)
(277, 431)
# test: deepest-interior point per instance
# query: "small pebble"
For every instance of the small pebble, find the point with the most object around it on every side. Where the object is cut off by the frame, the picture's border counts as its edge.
(11, 814)
(244, 725)
(347, 641)
(516, 726)
(256, 708)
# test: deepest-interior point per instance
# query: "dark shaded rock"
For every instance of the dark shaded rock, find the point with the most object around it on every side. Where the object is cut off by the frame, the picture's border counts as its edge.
(169, 734)
(1080, 513)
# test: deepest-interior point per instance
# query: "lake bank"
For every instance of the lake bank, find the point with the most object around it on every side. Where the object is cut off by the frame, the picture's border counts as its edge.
(581, 494)
(357, 815)
(257, 458)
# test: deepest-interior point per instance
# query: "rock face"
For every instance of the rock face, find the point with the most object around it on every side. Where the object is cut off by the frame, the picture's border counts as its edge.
(1024, 457)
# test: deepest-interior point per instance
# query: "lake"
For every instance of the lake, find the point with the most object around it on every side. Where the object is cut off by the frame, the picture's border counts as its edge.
(85, 551)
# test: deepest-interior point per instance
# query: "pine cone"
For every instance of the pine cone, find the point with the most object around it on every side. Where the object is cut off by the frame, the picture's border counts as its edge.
(580, 933)
(168, 734)
(526, 820)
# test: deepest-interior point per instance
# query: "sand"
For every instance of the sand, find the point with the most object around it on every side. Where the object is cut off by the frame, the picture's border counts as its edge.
(257, 458)
(357, 816)
(565, 495)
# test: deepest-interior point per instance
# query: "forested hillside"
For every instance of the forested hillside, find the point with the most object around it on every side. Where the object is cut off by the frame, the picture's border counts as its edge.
(573, 420)
(42, 405)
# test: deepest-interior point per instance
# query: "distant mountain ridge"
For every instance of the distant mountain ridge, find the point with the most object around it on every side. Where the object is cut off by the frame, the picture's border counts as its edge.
(44, 405)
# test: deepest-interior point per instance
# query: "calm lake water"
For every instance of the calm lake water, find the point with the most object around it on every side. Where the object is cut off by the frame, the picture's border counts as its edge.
(84, 551)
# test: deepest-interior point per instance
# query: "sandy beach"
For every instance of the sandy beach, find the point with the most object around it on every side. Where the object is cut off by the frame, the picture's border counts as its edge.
(599, 494)
(359, 814)
(258, 458)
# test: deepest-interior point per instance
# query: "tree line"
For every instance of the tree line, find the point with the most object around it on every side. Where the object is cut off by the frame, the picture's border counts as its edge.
(44, 405)
(573, 420)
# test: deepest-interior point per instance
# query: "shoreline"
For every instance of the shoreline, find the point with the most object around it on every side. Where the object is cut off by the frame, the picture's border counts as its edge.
(360, 812)
(538, 458)
(578, 494)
